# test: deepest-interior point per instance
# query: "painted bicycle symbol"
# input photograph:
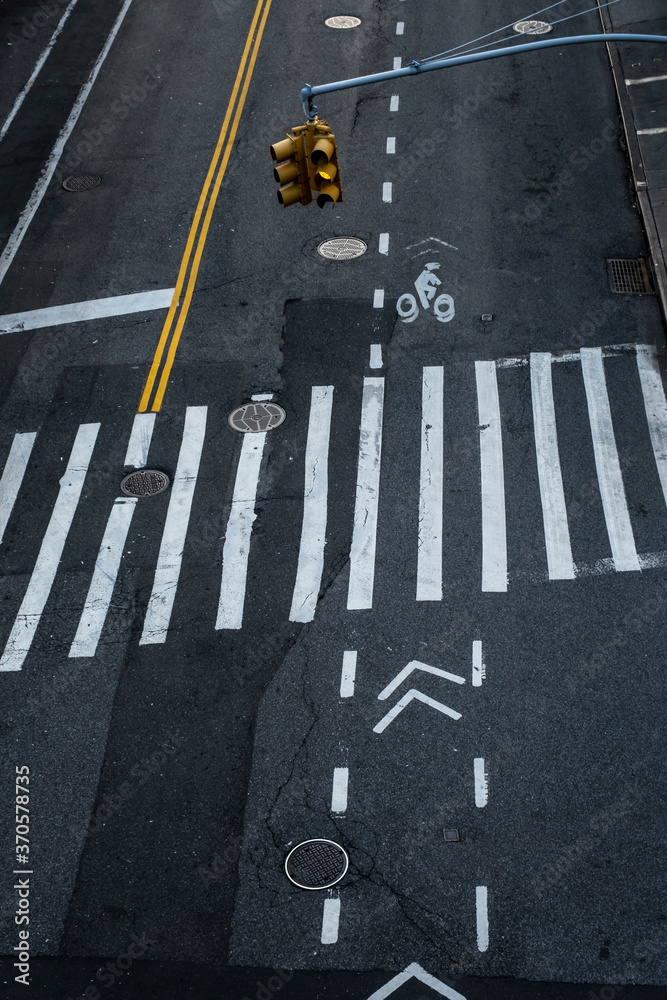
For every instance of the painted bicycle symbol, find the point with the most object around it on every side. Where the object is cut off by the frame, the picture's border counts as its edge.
(426, 287)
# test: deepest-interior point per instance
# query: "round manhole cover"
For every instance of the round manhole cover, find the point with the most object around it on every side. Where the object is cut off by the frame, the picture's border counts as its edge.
(342, 248)
(316, 864)
(82, 182)
(253, 418)
(343, 21)
(532, 27)
(144, 483)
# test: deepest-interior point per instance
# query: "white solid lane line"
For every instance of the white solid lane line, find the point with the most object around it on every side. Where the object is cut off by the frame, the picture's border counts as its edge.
(387, 192)
(170, 557)
(610, 480)
(481, 783)
(362, 551)
(378, 298)
(80, 312)
(12, 475)
(376, 356)
(393, 103)
(429, 543)
(383, 244)
(139, 444)
(482, 901)
(339, 791)
(348, 673)
(39, 191)
(494, 532)
(50, 553)
(236, 550)
(656, 408)
(652, 131)
(103, 582)
(478, 668)
(391, 144)
(554, 511)
(330, 920)
(35, 73)
(314, 526)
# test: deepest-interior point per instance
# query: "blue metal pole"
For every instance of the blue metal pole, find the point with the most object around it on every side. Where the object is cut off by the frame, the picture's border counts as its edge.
(415, 67)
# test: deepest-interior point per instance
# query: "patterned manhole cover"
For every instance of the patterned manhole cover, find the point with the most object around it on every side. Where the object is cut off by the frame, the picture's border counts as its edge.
(253, 418)
(532, 27)
(81, 182)
(144, 483)
(628, 276)
(342, 248)
(343, 21)
(316, 864)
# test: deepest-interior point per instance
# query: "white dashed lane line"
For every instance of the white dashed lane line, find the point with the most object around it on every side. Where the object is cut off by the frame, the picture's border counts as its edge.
(397, 62)
(391, 144)
(400, 27)
(387, 192)
(376, 356)
(482, 918)
(349, 667)
(383, 246)
(393, 104)
(378, 298)
(481, 783)
(330, 920)
(339, 791)
(478, 668)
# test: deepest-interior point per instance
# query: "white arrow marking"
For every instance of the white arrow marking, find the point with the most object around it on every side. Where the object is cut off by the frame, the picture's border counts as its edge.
(405, 700)
(417, 665)
(415, 971)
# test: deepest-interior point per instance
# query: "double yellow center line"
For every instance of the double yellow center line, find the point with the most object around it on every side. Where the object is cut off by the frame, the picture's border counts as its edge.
(165, 352)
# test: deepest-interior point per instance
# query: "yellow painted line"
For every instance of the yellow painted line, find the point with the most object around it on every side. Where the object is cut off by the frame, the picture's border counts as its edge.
(185, 262)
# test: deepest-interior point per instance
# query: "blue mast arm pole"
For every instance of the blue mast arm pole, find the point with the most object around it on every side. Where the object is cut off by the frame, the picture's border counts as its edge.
(415, 67)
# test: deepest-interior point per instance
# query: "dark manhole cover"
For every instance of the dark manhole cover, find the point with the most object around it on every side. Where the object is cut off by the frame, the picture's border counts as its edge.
(144, 483)
(253, 418)
(82, 182)
(316, 864)
(629, 276)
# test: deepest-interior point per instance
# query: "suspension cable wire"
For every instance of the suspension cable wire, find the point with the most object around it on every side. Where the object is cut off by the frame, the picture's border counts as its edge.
(511, 25)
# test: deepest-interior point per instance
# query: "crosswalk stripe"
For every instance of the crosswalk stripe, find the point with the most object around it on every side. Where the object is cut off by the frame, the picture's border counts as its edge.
(656, 408)
(103, 582)
(140, 440)
(554, 512)
(167, 572)
(494, 530)
(364, 533)
(612, 491)
(236, 550)
(314, 526)
(12, 476)
(429, 546)
(50, 553)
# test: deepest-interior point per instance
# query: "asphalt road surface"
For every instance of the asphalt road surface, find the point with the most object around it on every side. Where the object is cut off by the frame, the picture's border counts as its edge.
(423, 617)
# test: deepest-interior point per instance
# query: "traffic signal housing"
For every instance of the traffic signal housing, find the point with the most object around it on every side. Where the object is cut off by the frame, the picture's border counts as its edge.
(307, 164)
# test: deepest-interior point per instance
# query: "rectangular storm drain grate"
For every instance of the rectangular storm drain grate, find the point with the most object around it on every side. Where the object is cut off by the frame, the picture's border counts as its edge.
(629, 276)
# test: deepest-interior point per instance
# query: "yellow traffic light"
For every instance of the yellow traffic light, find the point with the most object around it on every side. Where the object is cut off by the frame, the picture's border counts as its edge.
(307, 161)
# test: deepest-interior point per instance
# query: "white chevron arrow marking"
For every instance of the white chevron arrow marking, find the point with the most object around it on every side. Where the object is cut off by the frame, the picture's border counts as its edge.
(417, 665)
(412, 695)
(415, 971)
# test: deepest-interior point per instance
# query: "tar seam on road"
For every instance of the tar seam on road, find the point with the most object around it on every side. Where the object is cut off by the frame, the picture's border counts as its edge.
(186, 264)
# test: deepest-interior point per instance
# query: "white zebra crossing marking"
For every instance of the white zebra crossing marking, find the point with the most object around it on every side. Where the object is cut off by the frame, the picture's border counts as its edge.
(429, 542)
(139, 444)
(554, 513)
(607, 464)
(656, 408)
(103, 582)
(364, 534)
(167, 572)
(494, 531)
(314, 526)
(50, 553)
(12, 476)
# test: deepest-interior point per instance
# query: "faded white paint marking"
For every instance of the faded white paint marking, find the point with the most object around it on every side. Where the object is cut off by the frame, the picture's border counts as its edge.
(348, 673)
(646, 79)
(49, 168)
(429, 537)
(139, 444)
(415, 971)
(430, 239)
(103, 582)
(80, 312)
(378, 298)
(494, 534)
(413, 695)
(330, 920)
(554, 512)
(481, 783)
(656, 408)
(51, 550)
(482, 901)
(170, 557)
(376, 356)
(478, 666)
(610, 480)
(652, 131)
(410, 668)
(362, 552)
(261, 397)
(397, 62)
(393, 103)
(391, 144)
(315, 493)
(400, 27)
(387, 192)
(12, 475)
(383, 244)
(339, 790)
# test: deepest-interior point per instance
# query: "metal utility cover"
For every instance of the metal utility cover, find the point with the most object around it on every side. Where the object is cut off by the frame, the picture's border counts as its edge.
(316, 864)
(629, 277)
(342, 248)
(532, 27)
(81, 182)
(255, 418)
(144, 483)
(343, 21)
